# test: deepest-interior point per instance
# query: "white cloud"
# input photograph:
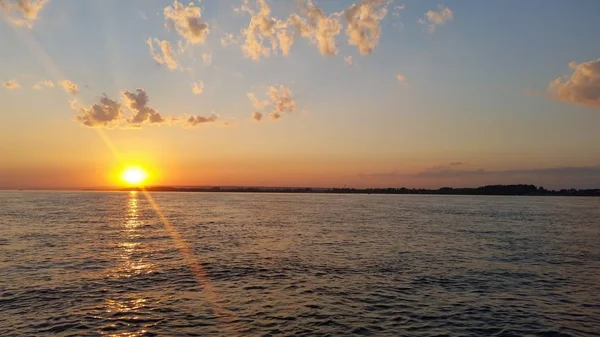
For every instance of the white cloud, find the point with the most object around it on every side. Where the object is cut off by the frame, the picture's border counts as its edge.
(23, 12)
(280, 100)
(164, 55)
(69, 87)
(107, 113)
(40, 84)
(198, 87)
(435, 18)
(138, 104)
(186, 21)
(196, 120)
(318, 28)
(364, 24)
(11, 84)
(260, 28)
(581, 87)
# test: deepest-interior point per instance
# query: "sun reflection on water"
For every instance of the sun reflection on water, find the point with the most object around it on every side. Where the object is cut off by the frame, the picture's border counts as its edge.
(131, 255)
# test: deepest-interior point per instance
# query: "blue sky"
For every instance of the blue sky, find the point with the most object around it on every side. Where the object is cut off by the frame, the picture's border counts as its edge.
(475, 91)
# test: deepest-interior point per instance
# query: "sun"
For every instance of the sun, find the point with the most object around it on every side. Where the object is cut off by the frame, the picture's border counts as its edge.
(134, 175)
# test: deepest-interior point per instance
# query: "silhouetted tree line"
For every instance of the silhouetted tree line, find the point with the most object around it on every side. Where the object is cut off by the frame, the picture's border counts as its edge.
(520, 189)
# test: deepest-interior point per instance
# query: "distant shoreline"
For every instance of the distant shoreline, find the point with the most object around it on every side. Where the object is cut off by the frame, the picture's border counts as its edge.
(523, 190)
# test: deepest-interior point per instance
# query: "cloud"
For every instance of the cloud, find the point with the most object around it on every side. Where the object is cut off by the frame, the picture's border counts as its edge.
(260, 28)
(40, 84)
(164, 55)
(364, 24)
(348, 60)
(435, 18)
(397, 10)
(581, 87)
(228, 39)
(401, 79)
(11, 84)
(137, 102)
(23, 12)
(107, 113)
(196, 120)
(207, 59)
(557, 177)
(280, 100)
(69, 87)
(198, 88)
(563, 172)
(131, 113)
(256, 103)
(318, 28)
(186, 21)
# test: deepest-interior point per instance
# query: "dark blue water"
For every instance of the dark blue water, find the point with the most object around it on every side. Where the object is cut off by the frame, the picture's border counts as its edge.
(89, 264)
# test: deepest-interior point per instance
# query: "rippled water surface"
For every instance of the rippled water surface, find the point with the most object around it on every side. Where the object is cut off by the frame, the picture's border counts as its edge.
(88, 264)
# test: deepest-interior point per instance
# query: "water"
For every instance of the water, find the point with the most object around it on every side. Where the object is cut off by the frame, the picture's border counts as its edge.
(88, 264)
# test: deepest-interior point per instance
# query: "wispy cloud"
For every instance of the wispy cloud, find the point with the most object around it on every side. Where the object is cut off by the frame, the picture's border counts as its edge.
(581, 87)
(572, 176)
(40, 84)
(401, 79)
(69, 87)
(163, 54)
(228, 39)
(198, 87)
(187, 21)
(11, 84)
(207, 59)
(436, 18)
(22, 12)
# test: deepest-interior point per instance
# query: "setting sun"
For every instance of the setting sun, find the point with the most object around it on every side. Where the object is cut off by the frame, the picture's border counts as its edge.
(134, 175)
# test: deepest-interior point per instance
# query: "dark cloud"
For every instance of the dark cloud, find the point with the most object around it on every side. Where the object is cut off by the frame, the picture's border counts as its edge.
(196, 120)
(107, 113)
(138, 104)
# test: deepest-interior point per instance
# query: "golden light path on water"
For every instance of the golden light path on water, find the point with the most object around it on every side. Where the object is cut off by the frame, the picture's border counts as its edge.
(202, 278)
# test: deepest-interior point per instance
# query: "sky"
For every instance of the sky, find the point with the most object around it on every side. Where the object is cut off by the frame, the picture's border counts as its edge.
(370, 93)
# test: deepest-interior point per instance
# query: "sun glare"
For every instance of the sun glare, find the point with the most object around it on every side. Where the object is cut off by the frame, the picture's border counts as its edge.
(134, 175)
